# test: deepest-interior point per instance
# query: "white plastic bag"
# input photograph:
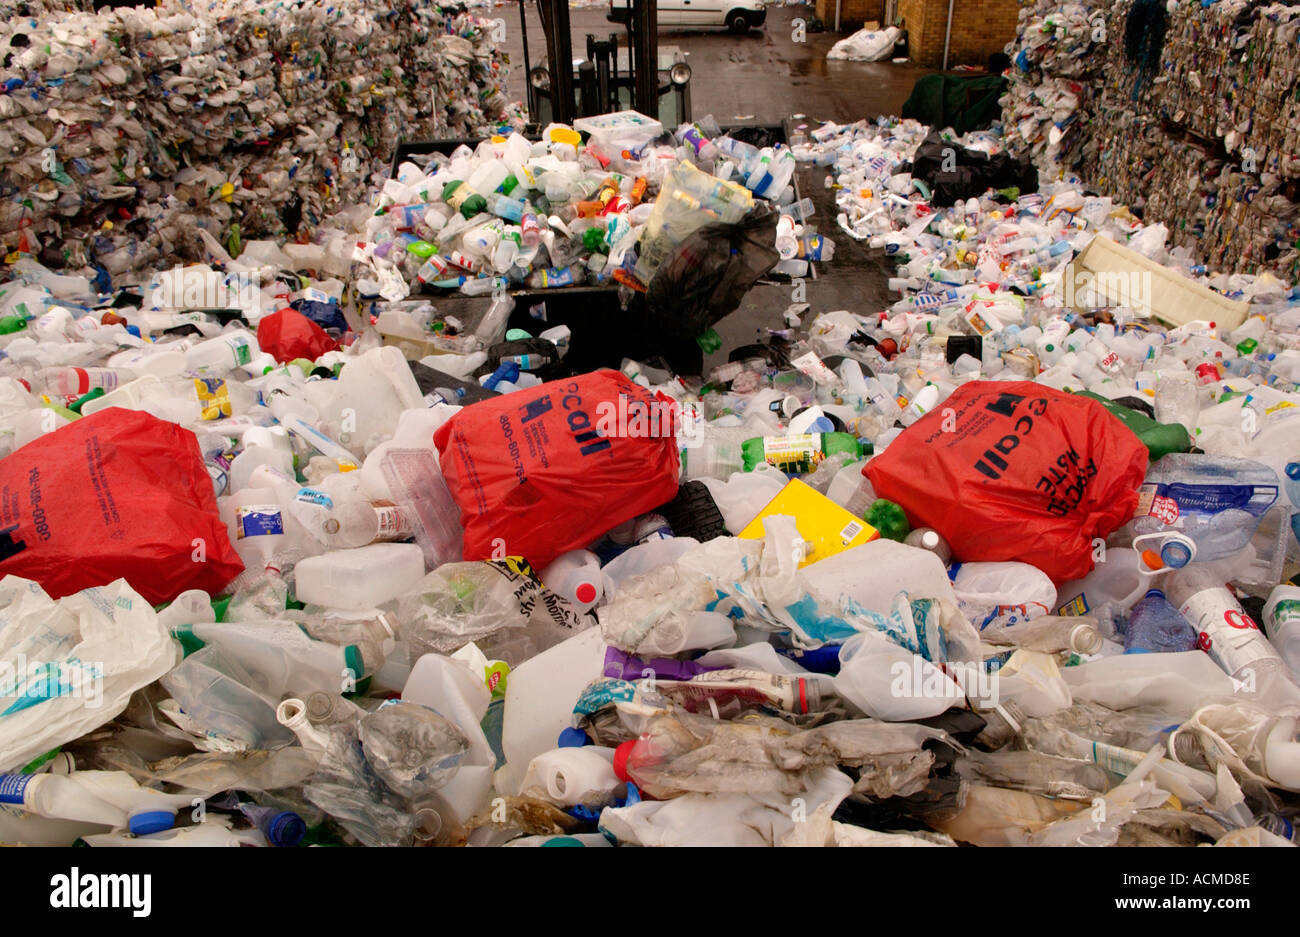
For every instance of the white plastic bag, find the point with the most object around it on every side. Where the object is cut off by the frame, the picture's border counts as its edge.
(866, 45)
(69, 666)
(1003, 593)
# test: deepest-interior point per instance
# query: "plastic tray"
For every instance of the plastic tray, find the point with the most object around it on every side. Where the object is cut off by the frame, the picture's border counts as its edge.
(1106, 273)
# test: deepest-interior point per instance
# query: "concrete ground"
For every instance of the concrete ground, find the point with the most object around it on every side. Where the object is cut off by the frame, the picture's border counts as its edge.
(766, 77)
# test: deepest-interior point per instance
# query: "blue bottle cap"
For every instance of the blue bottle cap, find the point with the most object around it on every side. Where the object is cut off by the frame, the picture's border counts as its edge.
(572, 738)
(1175, 554)
(286, 829)
(151, 821)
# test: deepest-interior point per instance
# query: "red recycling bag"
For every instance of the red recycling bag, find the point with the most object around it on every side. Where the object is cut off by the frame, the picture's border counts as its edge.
(1014, 470)
(117, 494)
(288, 334)
(540, 471)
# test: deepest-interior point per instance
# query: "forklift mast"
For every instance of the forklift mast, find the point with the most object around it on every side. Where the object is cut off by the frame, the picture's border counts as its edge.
(643, 49)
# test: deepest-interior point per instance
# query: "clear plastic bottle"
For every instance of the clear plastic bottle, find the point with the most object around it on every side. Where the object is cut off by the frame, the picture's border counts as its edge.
(358, 523)
(67, 382)
(1155, 626)
(1217, 501)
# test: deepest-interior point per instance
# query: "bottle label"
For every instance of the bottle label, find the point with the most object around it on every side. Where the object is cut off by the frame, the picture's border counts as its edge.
(214, 400)
(1168, 502)
(392, 522)
(13, 787)
(1075, 607)
(258, 520)
(316, 497)
(1284, 613)
(1226, 632)
(797, 453)
(240, 350)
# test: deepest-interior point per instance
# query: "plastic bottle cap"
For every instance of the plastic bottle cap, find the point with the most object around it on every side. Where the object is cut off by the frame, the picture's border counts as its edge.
(1151, 592)
(586, 593)
(286, 829)
(151, 821)
(1176, 553)
(1152, 559)
(572, 738)
(562, 841)
(621, 755)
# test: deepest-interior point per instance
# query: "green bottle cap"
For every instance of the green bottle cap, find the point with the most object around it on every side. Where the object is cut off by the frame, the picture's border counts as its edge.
(517, 335)
(11, 324)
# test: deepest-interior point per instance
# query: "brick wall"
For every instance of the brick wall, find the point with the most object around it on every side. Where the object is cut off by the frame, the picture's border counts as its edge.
(979, 28)
(853, 13)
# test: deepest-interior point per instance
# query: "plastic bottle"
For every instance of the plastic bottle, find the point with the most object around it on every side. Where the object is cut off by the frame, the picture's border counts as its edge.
(67, 382)
(1281, 619)
(815, 247)
(1216, 501)
(576, 576)
(797, 453)
(358, 523)
(571, 776)
(147, 810)
(461, 196)
(448, 687)
(58, 797)
(1226, 632)
(223, 353)
(786, 244)
(1177, 400)
(280, 656)
(540, 695)
(1154, 625)
(930, 539)
(1048, 633)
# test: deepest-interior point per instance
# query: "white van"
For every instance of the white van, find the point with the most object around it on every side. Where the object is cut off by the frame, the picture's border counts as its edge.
(737, 15)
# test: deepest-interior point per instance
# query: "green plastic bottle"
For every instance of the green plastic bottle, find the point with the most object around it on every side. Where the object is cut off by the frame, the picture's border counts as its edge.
(709, 341)
(465, 200)
(888, 518)
(1159, 438)
(797, 453)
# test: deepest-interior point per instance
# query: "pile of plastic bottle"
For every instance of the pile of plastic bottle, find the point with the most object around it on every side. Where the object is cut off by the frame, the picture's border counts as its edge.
(243, 119)
(773, 657)
(561, 212)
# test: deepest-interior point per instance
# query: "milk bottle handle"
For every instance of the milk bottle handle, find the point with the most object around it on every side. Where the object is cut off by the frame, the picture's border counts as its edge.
(1168, 539)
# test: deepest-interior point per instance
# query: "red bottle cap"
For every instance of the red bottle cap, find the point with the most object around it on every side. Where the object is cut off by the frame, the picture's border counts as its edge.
(621, 755)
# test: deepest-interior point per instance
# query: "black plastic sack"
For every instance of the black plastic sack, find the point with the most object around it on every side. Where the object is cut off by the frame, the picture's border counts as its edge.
(710, 272)
(952, 172)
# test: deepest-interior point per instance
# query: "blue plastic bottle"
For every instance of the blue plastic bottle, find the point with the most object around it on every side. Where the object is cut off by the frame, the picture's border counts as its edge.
(1156, 626)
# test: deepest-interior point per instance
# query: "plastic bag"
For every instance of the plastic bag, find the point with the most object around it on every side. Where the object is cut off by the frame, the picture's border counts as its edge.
(954, 172)
(70, 666)
(1013, 470)
(866, 45)
(287, 334)
(119, 494)
(708, 274)
(549, 469)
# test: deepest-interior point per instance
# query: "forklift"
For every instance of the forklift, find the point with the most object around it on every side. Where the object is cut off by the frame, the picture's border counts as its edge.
(632, 74)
